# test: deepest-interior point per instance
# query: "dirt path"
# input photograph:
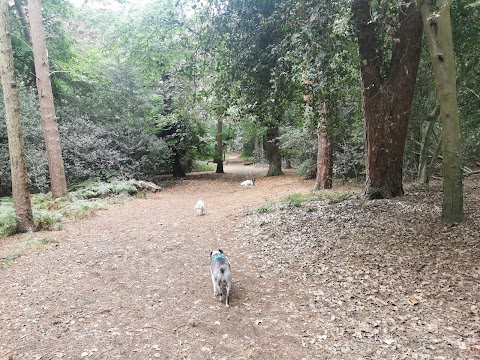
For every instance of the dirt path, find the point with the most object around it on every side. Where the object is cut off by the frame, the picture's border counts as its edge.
(133, 281)
(337, 278)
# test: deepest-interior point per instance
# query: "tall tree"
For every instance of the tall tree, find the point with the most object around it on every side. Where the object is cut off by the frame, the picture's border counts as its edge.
(387, 91)
(219, 152)
(58, 180)
(324, 177)
(21, 195)
(253, 36)
(438, 31)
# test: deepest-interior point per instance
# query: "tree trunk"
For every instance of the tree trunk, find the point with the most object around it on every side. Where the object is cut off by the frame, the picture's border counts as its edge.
(58, 181)
(438, 31)
(258, 149)
(177, 168)
(423, 175)
(21, 195)
(219, 155)
(324, 154)
(387, 97)
(273, 152)
(435, 155)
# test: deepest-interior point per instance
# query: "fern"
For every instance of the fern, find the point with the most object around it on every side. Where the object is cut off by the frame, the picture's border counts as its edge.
(8, 220)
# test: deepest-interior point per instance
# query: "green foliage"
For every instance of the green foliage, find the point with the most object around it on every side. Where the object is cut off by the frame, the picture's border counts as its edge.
(121, 76)
(46, 220)
(82, 202)
(91, 189)
(265, 209)
(203, 166)
(307, 168)
(119, 150)
(349, 160)
(307, 200)
(465, 28)
(295, 200)
(8, 220)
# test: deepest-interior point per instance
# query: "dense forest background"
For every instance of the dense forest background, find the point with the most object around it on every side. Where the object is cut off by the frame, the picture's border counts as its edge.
(145, 88)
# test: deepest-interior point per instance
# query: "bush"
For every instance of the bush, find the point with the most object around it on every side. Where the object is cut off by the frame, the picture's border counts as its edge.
(105, 151)
(348, 160)
(122, 150)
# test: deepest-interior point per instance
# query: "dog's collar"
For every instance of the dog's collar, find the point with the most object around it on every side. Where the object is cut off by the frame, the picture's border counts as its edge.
(218, 256)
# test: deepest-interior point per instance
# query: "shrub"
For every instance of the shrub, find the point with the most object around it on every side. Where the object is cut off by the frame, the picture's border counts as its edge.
(8, 220)
(105, 151)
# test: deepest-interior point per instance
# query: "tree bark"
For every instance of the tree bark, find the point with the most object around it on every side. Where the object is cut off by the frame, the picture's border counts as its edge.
(438, 31)
(324, 175)
(58, 182)
(423, 174)
(258, 151)
(273, 152)
(387, 97)
(219, 155)
(177, 168)
(21, 195)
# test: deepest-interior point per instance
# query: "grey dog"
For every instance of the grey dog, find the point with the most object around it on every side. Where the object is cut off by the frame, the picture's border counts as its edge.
(221, 273)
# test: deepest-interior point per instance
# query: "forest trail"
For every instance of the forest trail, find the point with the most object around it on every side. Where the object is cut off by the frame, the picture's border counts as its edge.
(337, 278)
(133, 281)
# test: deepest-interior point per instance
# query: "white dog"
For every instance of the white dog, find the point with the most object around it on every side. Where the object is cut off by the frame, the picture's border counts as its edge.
(248, 183)
(200, 207)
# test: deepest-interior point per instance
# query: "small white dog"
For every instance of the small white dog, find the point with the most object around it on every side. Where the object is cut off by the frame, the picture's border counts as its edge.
(200, 207)
(221, 274)
(248, 183)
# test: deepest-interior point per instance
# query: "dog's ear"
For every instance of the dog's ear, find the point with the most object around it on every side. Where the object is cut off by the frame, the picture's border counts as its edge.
(220, 250)
(211, 252)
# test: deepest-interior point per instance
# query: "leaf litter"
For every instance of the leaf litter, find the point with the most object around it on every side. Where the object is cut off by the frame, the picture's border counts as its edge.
(326, 279)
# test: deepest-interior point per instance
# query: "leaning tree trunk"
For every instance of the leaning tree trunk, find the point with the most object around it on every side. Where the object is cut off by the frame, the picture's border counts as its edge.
(324, 154)
(438, 31)
(58, 182)
(219, 155)
(387, 97)
(273, 152)
(21, 195)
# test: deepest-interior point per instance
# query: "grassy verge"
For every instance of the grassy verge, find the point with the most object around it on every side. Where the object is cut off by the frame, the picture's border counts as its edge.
(83, 200)
(201, 166)
(299, 200)
(23, 247)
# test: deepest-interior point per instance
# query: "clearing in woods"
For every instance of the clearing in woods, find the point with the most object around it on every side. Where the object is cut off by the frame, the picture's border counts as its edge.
(133, 281)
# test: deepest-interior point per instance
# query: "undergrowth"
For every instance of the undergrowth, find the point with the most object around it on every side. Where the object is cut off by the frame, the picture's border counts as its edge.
(83, 200)
(204, 166)
(305, 200)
